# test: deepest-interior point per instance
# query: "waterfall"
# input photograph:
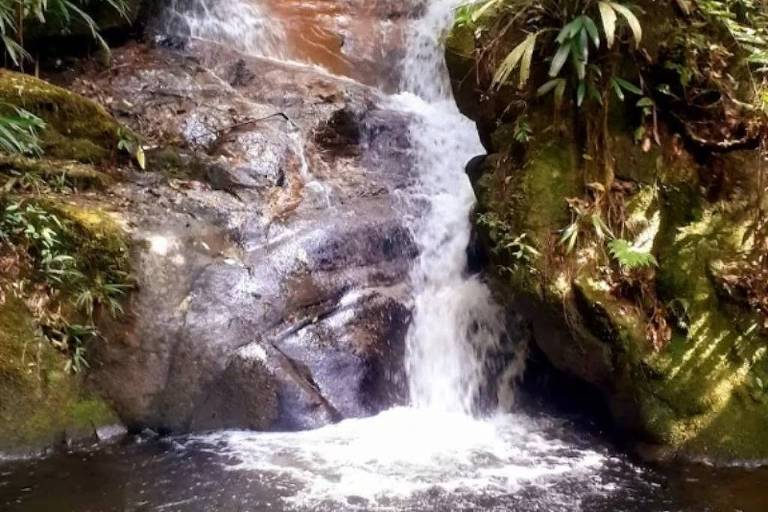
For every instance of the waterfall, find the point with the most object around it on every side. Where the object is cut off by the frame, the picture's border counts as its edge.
(458, 330)
(457, 337)
(436, 454)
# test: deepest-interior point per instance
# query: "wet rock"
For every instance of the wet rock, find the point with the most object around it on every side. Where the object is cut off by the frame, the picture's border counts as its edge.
(269, 250)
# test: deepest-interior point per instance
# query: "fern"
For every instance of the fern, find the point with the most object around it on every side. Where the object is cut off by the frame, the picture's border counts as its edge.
(629, 256)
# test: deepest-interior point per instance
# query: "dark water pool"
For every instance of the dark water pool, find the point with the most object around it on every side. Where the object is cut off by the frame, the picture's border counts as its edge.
(400, 460)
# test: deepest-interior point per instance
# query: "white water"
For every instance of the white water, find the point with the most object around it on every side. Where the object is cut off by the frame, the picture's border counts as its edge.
(437, 444)
(457, 328)
(240, 24)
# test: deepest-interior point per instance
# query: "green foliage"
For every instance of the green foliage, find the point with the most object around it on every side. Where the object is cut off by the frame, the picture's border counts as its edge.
(747, 23)
(629, 256)
(522, 130)
(19, 131)
(516, 246)
(59, 14)
(587, 220)
(73, 339)
(576, 39)
(467, 15)
(72, 277)
(130, 144)
(42, 233)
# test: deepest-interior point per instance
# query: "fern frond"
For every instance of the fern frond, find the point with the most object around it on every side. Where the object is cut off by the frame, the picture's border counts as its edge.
(629, 256)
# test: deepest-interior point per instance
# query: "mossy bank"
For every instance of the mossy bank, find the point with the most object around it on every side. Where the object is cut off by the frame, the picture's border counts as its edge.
(63, 264)
(677, 355)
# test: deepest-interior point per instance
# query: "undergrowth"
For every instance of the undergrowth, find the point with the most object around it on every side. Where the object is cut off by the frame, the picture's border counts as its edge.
(71, 276)
(710, 83)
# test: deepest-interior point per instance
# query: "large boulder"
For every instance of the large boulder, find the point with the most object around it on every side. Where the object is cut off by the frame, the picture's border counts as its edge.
(270, 253)
(678, 358)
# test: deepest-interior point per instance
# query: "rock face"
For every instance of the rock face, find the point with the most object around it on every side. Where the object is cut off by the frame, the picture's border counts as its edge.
(681, 363)
(269, 251)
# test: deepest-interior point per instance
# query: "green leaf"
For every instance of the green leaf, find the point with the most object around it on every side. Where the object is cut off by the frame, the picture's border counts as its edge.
(591, 28)
(632, 21)
(559, 60)
(581, 93)
(617, 89)
(628, 86)
(608, 16)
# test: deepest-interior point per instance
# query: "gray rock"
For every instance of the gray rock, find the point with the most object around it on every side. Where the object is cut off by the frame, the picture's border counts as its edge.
(273, 287)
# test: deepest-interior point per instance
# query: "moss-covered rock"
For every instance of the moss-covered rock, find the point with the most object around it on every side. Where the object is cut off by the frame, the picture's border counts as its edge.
(682, 368)
(76, 128)
(40, 403)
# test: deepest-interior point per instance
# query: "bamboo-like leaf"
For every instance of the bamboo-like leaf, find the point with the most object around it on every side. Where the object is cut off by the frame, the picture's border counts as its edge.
(632, 21)
(509, 64)
(483, 9)
(628, 86)
(608, 16)
(559, 60)
(617, 89)
(548, 87)
(141, 158)
(581, 93)
(525, 64)
(591, 28)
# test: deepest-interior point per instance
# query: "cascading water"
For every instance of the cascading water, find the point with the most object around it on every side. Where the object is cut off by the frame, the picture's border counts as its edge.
(435, 455)
(456, 340)
(457, 328)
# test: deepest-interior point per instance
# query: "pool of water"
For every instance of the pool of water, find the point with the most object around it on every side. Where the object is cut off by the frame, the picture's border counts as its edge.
(401, 460)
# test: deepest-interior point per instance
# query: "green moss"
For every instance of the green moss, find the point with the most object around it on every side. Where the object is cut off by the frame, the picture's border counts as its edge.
(706, 367)
(77, 128)
(39, 402)
(52, 172)
(99, 242)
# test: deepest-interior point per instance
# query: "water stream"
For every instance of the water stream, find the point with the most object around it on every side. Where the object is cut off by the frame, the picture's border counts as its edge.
(450, 450)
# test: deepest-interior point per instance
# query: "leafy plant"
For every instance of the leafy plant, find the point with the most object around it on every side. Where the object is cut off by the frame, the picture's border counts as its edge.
(470, 13)
(73, 340)
(19, 131)
(101, 292)
(41, 231)
(516, 246)
(586, 218)
(522, 130)
(629, 256)
(574, 42)
(60, 14)
(130, 144)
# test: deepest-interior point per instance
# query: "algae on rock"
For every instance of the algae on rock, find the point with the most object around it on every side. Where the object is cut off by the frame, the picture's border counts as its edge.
(682, 368)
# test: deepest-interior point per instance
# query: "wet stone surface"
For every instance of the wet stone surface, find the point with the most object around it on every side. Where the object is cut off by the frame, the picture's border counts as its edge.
(270, 250)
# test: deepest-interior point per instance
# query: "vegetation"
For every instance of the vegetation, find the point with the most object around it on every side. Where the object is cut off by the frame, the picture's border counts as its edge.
(74, 270)
(61, 15)
(628, 151)
(585, 44)
(70, 261)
